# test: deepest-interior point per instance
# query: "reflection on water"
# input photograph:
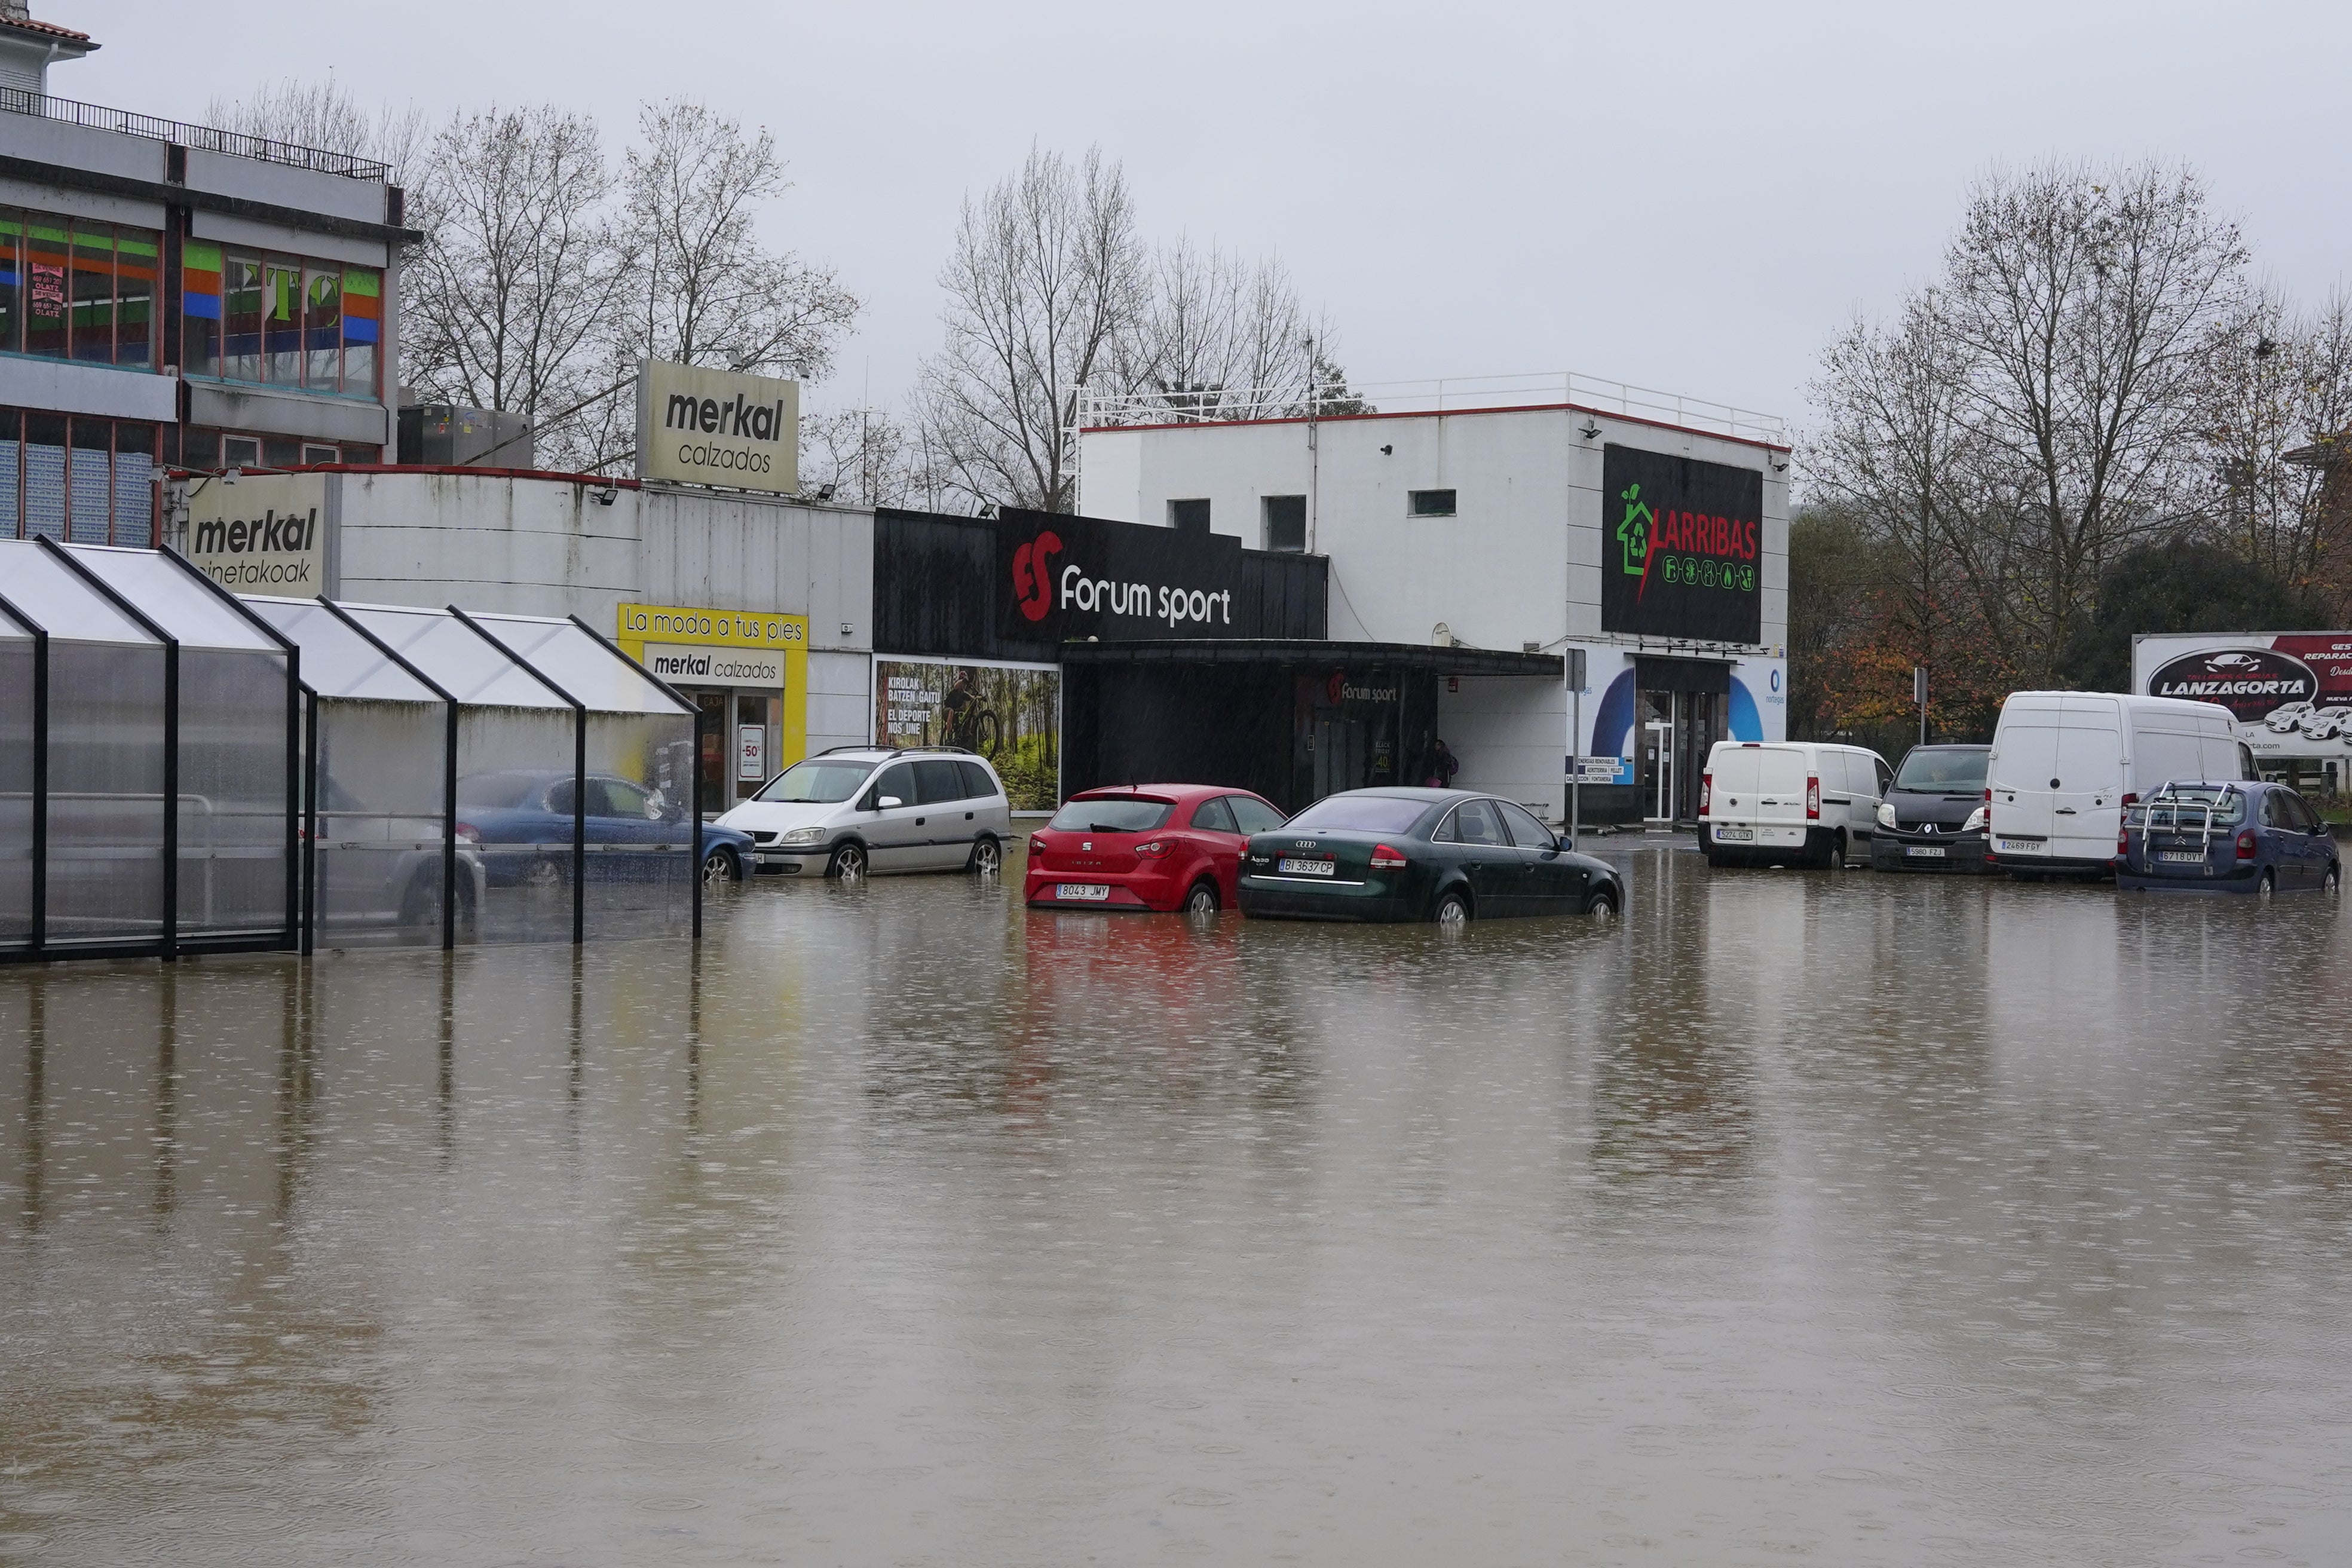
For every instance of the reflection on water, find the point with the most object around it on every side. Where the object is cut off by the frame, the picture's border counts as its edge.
(1848, 1217)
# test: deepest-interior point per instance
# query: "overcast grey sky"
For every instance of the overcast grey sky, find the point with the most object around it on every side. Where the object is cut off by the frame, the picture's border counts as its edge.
(1686, 197)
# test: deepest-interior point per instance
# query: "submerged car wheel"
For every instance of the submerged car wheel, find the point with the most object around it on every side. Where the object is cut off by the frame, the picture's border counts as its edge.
(720, 865)
(848, 863)
(544, 874)
(2331, 881)
(2267, 888)
(987, 858)
(1601, 905)
(1832, 857)
(1202, 900)
(1452, 912)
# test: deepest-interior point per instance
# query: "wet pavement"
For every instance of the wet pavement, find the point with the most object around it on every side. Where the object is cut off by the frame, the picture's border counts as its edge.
(1794, 1217)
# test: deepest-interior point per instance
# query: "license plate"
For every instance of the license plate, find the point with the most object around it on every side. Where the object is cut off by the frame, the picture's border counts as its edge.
(1307, 868)
(2025, 846)
(1735, 836)
(1925, 851)
(2182, 856)
(1086, 892)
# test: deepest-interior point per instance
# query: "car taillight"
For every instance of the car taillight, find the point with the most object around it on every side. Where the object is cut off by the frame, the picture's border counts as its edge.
(1705, 792)
(2246, 845)
(1387, 859)
(2123, 839)
(468, 833)
(1156, 850)
(1813, 800)
(1037, 844)
(2131, 799)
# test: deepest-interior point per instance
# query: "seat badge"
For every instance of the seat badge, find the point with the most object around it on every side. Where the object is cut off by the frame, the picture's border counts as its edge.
(1087, 845)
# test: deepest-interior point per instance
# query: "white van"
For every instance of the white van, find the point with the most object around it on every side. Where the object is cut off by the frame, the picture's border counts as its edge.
(1789, 802)
(2065, 763)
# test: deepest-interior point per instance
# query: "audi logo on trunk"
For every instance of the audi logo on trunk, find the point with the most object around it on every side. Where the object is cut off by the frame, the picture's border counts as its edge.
(2248, 682)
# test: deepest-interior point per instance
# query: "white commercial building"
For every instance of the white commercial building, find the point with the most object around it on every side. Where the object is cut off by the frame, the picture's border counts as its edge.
(1543, 514)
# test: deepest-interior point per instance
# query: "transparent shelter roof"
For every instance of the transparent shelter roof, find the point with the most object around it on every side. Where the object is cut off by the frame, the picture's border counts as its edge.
(172, 597)
(601, 679)
(337, 661)
(48, 593)
(466, 664)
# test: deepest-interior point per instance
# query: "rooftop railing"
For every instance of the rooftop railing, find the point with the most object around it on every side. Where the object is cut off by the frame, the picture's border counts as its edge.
(1452, 395)
(235, 143)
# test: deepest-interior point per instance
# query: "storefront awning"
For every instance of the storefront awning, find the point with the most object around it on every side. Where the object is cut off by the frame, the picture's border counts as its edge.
(1316, 651)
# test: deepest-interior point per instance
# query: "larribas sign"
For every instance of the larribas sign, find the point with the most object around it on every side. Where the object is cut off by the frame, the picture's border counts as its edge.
(717, 427)
(1682, 548)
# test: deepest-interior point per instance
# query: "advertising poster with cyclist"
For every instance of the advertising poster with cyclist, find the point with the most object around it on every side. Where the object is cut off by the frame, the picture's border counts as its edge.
(2290, 693)
(1011, 714)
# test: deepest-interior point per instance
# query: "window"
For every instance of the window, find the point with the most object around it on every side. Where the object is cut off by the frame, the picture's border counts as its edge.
(1361, 814)
(618, 797)
(1472, 822)
(1430, 503)
(1215, 816)
(896, 781)
(1526, 831)
(1117, 814)
(1189, 516)
(817, 782)
(75, 289)
(45, 313)
(1286, 523)
(313, 455)
(83, 478)
(2274, 810)
(938, 781)
(1255, 816)
(977, 784)
(282, 320)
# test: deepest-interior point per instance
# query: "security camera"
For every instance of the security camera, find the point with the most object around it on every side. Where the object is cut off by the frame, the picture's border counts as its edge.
(1388, 451)
(230, 476)
(1590, 428)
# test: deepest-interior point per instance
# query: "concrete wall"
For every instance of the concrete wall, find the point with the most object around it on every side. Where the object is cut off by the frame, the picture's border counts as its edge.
(66, 387)
(533, 547)
(1510, 734)
(840, 700)
(735, 553)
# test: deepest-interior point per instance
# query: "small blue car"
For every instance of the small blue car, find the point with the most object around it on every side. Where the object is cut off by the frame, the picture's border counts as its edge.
(519, 822)
(2226, 837)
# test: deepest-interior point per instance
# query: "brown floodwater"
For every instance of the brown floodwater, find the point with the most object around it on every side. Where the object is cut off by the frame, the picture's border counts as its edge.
(1812, 1217)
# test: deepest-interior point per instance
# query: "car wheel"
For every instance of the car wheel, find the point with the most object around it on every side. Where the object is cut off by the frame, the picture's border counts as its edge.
(848, 863)
(1452, 912)
(987, 858)
(1603, 904)
(1202, 900)
(545, 873)
(720, 865)
(2267, 888)
(1714, 855)
(421, 904)
(2331, 881)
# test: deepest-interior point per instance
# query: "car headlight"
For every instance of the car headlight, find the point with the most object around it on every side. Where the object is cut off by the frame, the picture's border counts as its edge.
(1886, 814)
(1976, 820)
(802, 836)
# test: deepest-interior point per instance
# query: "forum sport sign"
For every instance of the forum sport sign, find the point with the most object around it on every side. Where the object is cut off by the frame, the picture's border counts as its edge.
(1680, 548)
(1065, 579)
(717, 427)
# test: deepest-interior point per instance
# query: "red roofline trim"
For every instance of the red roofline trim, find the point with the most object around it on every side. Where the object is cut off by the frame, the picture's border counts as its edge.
(471, 470)
(1441, 414)
(48, 30)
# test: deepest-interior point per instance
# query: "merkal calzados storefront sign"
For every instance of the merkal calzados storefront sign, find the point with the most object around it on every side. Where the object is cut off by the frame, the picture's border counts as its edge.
(267, 533)
(1067, 579)
(1682, 552)
(716, 428)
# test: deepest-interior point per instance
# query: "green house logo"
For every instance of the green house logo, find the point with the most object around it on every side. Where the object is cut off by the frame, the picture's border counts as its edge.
(1634, 533)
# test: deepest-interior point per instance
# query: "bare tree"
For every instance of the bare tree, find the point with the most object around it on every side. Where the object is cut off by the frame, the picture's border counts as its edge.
(2279, 404)
(867, 456)
(323, 115)
(2041, 406)
(515, 295)
(707, 292)
(2085, 308)
(1046, 280)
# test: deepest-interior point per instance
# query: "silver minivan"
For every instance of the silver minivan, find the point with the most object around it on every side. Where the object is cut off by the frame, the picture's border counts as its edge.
(857, 809)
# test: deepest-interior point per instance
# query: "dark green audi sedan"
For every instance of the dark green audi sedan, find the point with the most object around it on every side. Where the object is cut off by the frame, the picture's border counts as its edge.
(1442, 855)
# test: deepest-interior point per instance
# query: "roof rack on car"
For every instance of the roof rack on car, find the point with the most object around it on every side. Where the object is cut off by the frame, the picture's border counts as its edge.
(889, 751)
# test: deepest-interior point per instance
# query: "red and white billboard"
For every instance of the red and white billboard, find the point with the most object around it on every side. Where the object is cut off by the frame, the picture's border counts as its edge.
(2290, 691)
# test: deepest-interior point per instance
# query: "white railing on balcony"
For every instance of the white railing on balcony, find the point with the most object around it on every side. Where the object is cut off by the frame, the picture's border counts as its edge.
(22, 100)
(1451, 394)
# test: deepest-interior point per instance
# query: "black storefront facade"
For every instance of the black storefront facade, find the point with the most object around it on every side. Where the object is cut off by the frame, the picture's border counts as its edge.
(1182, 656)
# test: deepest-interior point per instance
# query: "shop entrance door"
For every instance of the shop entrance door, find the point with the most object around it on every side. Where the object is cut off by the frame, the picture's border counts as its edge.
(1658, 768)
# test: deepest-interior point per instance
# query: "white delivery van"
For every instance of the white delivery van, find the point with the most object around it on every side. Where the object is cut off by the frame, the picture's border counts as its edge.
(1789, 803)
(2065, 763)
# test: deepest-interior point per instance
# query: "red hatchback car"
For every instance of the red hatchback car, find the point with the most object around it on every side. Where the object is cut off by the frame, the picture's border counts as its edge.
(1147, 846)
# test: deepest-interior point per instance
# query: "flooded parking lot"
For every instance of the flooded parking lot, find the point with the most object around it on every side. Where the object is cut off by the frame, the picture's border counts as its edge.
(1795, 1216)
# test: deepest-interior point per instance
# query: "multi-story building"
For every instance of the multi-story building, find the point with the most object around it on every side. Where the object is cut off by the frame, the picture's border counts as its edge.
(175, 295)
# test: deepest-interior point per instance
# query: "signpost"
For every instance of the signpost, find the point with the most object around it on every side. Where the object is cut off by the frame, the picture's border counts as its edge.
(1573, 659)
(1919, 698)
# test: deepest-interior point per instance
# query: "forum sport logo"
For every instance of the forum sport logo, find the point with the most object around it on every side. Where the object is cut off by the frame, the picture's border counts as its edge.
(1033, 580)
(1686, 547)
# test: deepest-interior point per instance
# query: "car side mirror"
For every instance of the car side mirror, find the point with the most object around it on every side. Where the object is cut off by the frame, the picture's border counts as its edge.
(887, 802)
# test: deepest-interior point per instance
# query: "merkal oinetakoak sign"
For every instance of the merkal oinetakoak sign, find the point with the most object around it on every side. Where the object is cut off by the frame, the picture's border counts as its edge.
(1066, 579)
(1682, 548)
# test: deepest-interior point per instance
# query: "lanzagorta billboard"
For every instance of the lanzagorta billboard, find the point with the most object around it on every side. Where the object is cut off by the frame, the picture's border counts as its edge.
(717, 427)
